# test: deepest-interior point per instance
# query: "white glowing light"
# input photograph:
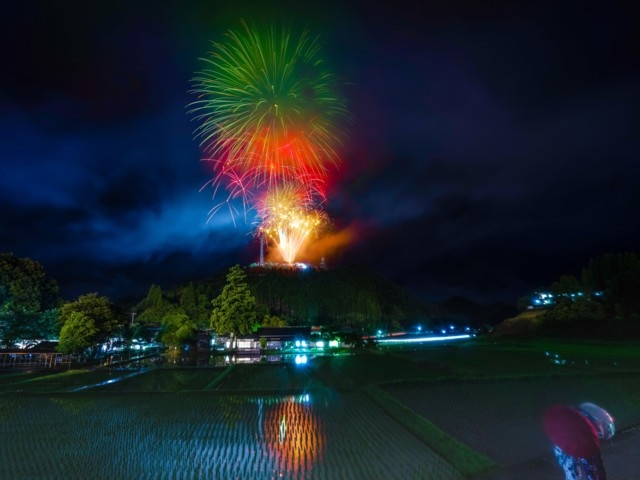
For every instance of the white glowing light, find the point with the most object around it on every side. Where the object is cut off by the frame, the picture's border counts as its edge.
(424, 339)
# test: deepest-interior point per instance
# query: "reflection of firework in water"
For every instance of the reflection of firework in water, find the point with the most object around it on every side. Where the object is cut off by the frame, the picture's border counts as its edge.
(293, 434)
(288, 219)
(268, 112)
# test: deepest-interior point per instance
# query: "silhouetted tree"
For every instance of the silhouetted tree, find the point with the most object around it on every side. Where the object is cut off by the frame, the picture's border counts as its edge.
(234, 310)
(98, 312)
(28, 300)
(78, 335)
(617, 276)
(154, 307)
(604, 302)
(195, 303)
(177, 328)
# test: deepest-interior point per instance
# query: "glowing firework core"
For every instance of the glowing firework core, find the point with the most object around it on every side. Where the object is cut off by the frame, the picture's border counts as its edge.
(288, 220)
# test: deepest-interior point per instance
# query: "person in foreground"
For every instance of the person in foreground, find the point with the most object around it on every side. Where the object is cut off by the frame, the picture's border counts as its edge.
(576, 433)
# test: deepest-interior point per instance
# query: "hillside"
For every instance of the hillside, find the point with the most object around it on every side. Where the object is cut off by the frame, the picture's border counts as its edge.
(351, 295)
(460, 309)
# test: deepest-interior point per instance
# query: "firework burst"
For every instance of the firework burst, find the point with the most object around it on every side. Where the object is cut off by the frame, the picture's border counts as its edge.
(288, 219)
(269, 119)
(268, 110)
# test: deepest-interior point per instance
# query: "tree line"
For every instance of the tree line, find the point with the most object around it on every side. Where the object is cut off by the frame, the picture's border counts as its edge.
(240, 300)
(237, 301)
(252, 297)
(29, 300)
(603, 301)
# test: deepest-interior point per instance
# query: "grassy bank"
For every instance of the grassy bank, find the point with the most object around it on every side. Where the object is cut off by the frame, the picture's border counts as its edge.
(467, 461)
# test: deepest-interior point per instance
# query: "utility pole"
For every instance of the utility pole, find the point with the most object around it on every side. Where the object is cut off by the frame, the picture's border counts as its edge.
(261, 249)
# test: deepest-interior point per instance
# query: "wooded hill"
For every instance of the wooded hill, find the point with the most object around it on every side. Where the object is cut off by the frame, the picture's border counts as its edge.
(351, 295)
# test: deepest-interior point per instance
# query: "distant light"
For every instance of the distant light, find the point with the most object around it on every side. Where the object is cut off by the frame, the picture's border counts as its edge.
(443, 331)
(301, 359)
(320, 344)
(424, 339)
(419, 328)
(297, 343)
(379, 332)
(303, 344)
(333, 343)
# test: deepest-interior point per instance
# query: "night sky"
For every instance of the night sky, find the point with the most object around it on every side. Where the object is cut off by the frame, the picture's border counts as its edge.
(494, 145)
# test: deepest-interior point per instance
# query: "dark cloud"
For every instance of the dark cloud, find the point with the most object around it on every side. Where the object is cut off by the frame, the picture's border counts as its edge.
(493, 146)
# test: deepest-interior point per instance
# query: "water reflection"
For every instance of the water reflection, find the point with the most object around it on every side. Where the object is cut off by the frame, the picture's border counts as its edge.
(557, 359)
(223, 360)
(204, 358)
(292, 433)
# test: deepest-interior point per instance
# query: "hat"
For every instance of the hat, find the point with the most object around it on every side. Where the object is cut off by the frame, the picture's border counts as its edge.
(569, 429)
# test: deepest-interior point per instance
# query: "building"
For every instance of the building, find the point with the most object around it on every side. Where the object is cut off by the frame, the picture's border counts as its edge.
(275, 338)
(547, 299)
